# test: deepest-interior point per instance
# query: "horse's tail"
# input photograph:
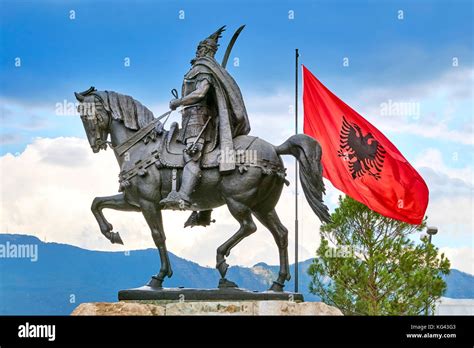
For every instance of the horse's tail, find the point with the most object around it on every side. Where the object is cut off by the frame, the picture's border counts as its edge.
(308, 153)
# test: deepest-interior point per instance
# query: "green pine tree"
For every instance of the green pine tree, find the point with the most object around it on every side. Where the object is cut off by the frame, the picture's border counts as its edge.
(367, 264)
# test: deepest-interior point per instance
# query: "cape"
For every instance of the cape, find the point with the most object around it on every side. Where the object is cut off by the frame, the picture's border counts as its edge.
(235, 111)
(233, 118)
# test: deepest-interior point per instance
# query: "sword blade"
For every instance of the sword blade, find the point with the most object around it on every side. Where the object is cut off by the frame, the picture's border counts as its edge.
(231, 44)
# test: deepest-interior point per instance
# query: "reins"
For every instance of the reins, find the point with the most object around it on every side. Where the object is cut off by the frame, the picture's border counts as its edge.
(139, 135)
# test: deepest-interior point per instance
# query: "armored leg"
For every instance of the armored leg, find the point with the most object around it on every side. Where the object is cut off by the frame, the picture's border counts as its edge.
(191, 175)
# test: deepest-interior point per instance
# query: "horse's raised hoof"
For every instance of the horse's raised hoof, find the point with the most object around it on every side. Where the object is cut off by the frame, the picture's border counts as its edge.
(277, 287)
(155, 283)
(225, 283)
(115, 238)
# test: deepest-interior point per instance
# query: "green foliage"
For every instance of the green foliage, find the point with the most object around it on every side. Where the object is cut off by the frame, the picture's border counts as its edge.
(367, 264)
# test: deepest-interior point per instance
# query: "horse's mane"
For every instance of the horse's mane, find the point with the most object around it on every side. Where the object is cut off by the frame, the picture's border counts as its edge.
(124, 108)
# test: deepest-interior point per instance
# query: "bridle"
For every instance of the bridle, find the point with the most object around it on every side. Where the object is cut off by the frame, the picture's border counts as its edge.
(100, 124)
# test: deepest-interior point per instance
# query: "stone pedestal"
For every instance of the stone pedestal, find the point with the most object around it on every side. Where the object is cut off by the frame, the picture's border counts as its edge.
(174, 308)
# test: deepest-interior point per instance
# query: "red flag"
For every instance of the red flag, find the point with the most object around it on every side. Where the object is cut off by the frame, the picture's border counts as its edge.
(358, 159)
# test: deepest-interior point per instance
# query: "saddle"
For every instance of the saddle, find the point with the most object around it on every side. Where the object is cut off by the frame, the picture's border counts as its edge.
(170, 150)
(165, 151)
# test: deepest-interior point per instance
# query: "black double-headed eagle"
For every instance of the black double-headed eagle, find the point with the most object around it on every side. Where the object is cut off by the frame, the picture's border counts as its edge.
(363, 153)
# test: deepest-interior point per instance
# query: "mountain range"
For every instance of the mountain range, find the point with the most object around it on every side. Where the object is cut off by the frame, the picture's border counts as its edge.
(63, 276)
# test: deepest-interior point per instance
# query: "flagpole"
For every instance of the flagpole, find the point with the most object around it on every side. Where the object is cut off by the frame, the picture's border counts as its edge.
(296, 172)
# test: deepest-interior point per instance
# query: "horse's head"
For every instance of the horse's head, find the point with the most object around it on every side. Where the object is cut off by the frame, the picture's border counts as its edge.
(95, 118)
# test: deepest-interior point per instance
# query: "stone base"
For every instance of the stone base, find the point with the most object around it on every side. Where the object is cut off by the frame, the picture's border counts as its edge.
(164, 308)
(189, 294)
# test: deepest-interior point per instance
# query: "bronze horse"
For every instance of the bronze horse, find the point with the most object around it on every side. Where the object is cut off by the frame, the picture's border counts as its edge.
(249, 190)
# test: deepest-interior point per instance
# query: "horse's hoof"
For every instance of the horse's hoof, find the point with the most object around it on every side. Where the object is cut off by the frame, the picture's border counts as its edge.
(225, 283)
(115, 238)
(277, 287)
(155, 283)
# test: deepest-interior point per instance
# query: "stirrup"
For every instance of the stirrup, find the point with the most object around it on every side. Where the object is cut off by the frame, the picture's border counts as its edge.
(175, 201)
(199, 218)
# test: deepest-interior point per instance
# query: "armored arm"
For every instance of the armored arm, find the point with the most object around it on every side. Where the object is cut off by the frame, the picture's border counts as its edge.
(195, 97)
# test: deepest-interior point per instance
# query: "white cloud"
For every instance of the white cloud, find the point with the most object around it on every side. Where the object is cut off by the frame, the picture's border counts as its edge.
(445, 106)
(272, 116)
(461, 258)
(10, 138)
(450, 206)
(24, 115)
(433, 158)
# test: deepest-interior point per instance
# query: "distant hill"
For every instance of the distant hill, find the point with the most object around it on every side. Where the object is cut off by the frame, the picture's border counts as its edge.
(65, 275)
(460, 285)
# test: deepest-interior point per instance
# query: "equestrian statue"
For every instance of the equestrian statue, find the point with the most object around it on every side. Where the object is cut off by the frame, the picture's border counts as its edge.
(207, 161)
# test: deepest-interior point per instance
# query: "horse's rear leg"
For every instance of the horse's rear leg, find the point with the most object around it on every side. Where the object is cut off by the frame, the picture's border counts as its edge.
(271, 221)
(244, 216)
(154, 220)
(116, 202)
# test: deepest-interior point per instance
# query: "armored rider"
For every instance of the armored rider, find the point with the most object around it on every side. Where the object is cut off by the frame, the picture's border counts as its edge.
(213, 114)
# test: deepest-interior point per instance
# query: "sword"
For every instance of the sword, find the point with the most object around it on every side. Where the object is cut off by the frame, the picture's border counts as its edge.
(231, 44)
(192, 148)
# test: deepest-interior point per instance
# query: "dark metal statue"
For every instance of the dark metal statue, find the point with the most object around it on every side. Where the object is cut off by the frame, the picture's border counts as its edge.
(213, 112)
(221, 164)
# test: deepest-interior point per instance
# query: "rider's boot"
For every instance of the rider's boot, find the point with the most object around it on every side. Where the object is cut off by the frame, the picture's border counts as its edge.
(179, 200)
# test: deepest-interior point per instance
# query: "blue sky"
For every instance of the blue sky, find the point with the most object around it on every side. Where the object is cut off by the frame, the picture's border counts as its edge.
(60, 55)
(389, 59)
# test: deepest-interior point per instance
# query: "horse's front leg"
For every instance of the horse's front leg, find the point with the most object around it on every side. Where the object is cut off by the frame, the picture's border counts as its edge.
(116, 202)
(154, 219)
